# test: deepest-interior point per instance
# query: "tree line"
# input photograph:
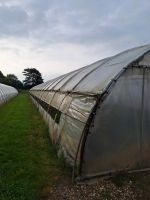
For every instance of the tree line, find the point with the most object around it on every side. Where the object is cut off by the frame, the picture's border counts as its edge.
(32, 78)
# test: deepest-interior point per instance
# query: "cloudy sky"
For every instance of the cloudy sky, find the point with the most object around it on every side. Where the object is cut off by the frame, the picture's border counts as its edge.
(57, 36)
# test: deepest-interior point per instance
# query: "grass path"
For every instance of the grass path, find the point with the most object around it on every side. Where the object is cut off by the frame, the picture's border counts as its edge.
(28, 162)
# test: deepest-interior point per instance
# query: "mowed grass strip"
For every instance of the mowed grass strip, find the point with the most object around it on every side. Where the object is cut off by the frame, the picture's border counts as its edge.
(28, 161)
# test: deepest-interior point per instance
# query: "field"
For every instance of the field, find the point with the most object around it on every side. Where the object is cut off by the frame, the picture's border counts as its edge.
(28, 161)
(30, 169)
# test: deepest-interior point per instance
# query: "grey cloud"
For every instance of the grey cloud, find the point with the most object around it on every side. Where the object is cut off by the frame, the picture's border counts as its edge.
(13, 21)
(84, 22)
(94, 21)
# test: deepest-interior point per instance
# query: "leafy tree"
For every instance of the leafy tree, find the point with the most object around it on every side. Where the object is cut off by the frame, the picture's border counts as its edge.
(32, 78)
(11, 80)
(12, 77)
(1, 75)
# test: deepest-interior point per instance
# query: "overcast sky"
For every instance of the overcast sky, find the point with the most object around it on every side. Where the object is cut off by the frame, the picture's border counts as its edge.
(57, 36)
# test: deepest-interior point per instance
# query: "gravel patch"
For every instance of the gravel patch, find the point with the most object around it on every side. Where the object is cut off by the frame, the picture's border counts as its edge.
(101, 190)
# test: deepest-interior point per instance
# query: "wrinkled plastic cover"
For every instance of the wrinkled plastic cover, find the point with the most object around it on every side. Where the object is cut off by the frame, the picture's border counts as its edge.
(119, 138)
(6, 93)
(145, 60)
(94, 78)
(75, 110)
(73, 95)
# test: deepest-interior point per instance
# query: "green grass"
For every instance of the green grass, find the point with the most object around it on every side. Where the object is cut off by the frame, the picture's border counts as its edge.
(28, 161)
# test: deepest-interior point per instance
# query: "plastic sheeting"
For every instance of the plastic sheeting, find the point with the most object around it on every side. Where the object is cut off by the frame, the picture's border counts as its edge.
(119, 139)
(6, 93)
(145, 60)
(67, 103)
(66, 116)
(94, 78)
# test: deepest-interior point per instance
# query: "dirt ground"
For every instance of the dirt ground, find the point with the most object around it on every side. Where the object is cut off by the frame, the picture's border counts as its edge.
(120, 187)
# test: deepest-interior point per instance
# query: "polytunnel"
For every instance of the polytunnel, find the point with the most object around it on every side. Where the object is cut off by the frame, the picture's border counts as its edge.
(6, 93)
(99, 115)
